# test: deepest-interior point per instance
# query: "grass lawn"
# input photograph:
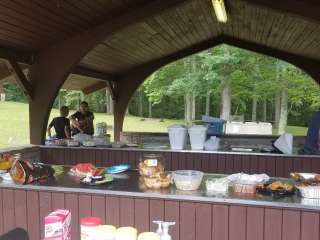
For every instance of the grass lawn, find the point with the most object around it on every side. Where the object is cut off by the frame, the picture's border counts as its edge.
(14, 124)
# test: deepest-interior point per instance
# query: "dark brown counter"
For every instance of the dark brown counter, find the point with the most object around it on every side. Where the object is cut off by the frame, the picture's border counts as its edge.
(123, 203)
(277, 165)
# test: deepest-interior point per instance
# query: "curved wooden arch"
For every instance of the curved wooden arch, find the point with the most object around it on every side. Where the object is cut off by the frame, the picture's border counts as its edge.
(53, 65)
(134, 78)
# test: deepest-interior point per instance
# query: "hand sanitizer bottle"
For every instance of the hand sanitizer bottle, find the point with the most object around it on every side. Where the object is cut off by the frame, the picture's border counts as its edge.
(159, 230)
(165, 230)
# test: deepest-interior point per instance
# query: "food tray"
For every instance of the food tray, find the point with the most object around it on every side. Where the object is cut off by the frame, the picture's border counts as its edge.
(309, 191)
(244, 188)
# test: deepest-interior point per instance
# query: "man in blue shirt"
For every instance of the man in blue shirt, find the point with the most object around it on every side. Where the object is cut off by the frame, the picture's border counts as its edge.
(312, 140)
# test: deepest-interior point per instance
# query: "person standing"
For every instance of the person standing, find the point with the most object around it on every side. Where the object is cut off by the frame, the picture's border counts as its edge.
(61, 124)
(82, 120)
(312, 144)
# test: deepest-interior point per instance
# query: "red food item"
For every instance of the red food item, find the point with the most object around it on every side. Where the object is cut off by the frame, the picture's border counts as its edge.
(83, 168)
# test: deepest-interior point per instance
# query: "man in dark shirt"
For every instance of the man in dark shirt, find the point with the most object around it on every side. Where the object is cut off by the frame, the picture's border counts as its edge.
(82, 120)
(61, 124)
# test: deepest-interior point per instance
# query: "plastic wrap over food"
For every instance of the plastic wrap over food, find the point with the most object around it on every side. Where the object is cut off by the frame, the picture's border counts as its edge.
(248, 179)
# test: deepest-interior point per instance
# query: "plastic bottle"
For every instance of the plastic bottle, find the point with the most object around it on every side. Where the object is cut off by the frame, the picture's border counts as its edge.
(165, 230)
(159, 229)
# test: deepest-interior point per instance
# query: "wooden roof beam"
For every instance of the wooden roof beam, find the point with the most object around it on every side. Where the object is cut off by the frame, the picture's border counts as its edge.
(84, 71)
(21, 78)
(307, 9)
(19, 56)
(94, 87)
(101, 85)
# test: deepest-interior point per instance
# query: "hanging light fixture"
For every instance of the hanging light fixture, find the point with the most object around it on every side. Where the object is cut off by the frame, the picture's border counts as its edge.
(220, 10)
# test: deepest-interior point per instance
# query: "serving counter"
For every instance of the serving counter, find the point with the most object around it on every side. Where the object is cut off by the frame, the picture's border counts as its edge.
(280, 165)
(198, 215)
(122, 203)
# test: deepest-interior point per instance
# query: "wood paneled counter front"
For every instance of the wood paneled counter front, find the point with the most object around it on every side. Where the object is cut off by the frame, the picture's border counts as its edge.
(198, 215)
(280, 165)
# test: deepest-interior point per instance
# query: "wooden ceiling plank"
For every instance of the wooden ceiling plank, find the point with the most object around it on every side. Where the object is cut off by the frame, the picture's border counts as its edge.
(107, 51)
(84, 71)
(253, 19)
(27, 43)
(131, 37)
(126, 48)
(180, 29)
(95, 87)
(177, 24)
(313, 48)
(19, 18)
(100, 64)
(62, 13)
(85, 12)
(264, 20)
(47, 16)
(187, 26)
(275, 37)
(23, 33)
(125, 54)
(14, 26)
(168, 31)
(308, 36)
(195, 21)
(307, 9)
(114, 68)
(158, 34)
(207, 13)
(197, 11)
(146, 38)
(136, 46)
(290, 33)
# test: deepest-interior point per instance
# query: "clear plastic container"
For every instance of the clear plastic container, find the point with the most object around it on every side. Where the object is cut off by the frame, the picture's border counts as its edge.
(246, 188)
(187, 180)
(151, 165)
(217, 185)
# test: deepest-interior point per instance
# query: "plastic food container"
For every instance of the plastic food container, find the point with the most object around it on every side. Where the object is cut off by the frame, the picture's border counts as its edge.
(178, 136)
(312, 192)
(89, 226)
(126, 233)
(187, 180)
(198, 135)
(105, 232)
(247, 188)
(151, 165)
(217, 185)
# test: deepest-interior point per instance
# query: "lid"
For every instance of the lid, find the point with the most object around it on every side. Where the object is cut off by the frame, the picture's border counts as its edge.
(90, 221)
(176, 126)
(198, 127)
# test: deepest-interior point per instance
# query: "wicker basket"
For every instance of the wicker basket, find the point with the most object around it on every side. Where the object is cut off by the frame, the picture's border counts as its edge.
(310, 192)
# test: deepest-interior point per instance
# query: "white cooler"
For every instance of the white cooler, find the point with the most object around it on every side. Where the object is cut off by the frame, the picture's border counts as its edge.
(177, 136)
(198, 136)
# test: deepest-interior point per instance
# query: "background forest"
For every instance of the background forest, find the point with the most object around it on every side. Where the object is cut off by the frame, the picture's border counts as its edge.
(223, 81)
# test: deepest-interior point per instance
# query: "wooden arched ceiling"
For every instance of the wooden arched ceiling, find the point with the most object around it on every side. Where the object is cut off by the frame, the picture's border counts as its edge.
(195, 22)
(27, 27)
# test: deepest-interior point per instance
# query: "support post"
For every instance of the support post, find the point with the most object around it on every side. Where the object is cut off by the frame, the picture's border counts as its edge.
(21, 78)
(126, 87)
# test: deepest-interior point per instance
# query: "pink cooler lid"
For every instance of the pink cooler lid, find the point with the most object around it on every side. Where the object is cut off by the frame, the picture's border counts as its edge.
(90, 221)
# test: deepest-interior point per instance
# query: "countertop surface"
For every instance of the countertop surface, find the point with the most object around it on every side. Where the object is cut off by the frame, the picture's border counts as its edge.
(128, 184)
(165, 148)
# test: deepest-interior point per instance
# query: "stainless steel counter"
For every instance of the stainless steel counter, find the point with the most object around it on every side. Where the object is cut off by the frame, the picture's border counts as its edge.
(127, 184)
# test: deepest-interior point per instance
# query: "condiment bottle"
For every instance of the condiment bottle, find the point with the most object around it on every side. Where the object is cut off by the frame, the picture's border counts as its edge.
(105, 232)
(89, 226)
(165, 230)
(159, 229)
